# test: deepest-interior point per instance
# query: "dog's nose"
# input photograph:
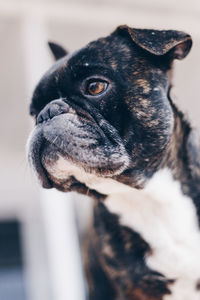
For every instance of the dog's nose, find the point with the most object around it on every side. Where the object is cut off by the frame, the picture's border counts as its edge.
(54, 108)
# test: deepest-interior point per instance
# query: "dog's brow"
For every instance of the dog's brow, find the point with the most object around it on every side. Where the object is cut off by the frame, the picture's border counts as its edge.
(89, 65)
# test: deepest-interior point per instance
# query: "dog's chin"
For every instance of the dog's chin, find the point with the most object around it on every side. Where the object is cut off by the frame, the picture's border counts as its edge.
(64, 170)
(65, 151)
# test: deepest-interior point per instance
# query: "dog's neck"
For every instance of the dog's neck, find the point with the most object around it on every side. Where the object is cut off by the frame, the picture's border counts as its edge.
(181, 158)
(176, 155)
(176, 161)
(166, 213)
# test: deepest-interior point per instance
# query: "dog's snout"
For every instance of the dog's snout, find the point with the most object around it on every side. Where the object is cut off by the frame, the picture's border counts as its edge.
(53, 109)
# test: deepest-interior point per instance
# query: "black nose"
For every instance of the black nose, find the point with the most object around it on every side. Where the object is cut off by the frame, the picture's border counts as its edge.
(54, 108)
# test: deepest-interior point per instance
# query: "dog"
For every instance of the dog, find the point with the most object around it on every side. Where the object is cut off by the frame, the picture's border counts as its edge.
(107, 127)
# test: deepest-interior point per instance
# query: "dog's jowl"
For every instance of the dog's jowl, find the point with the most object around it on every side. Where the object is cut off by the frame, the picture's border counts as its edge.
(106, 126)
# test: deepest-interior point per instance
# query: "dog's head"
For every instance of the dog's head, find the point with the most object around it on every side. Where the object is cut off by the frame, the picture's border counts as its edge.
(104, 110)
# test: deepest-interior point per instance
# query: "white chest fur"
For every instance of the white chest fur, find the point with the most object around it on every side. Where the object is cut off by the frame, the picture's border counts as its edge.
(164, 217)
(167, 220)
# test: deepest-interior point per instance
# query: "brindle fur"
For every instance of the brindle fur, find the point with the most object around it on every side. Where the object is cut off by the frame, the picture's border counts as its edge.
(152, 130)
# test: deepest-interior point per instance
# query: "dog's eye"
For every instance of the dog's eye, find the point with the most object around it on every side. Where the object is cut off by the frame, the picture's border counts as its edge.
(96, 87)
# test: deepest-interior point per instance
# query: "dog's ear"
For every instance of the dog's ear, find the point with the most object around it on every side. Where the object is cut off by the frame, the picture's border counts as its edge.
(57, 50)
(175, 44)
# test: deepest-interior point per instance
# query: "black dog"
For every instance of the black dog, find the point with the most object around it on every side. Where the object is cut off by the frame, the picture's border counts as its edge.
(106, 126)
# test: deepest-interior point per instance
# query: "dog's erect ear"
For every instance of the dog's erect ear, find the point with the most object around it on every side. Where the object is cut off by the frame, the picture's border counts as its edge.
(176, 44)
(57, 50)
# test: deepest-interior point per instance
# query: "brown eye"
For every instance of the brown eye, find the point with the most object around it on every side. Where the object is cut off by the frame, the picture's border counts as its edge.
(96, 87)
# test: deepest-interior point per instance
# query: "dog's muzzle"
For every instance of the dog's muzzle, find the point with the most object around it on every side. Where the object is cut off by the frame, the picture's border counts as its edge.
(88, 142)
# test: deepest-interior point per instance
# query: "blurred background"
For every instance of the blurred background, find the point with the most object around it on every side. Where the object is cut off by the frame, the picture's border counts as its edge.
(39, 246)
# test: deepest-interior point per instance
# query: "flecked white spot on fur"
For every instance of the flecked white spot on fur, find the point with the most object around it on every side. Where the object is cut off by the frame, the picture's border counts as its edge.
(156, 89)
(167, 220)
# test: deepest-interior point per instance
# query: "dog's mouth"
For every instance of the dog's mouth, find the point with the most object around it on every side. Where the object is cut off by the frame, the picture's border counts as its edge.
(73, 145)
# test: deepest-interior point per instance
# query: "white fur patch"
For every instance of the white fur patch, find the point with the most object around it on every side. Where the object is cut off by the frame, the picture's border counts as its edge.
(164, 217)
(62, 169)
(167, 221)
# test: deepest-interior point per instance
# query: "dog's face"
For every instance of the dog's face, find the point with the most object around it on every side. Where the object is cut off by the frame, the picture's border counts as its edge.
(104, 109)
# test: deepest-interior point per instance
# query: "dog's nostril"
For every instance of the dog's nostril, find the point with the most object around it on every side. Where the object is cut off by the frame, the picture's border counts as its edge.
(54, 108)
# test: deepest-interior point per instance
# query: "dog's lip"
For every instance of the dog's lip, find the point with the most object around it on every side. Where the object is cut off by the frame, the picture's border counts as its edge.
(42, 173)
(35, 149)
(111, 168)
(93, 116)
